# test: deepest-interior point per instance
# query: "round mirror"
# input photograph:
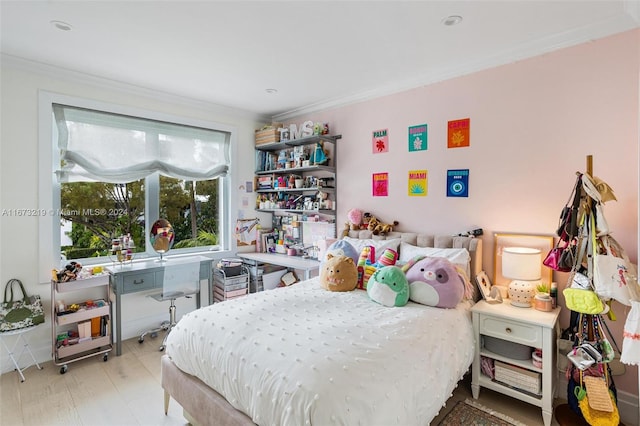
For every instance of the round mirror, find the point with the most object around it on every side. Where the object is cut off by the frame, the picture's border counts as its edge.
(161, 236)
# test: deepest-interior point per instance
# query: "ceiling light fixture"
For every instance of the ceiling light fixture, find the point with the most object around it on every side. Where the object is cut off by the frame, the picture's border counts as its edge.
(271, 91)
(63, 26)
(452, 20)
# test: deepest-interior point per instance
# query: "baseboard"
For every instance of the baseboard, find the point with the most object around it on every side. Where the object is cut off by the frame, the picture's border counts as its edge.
(627, 403)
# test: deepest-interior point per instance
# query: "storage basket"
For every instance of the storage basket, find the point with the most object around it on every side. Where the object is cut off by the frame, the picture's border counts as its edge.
(517, 377)
(268, 134)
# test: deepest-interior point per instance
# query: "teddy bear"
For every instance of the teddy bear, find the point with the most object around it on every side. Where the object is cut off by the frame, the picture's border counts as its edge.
(338, 273)
(378, 228)
(389, 286)
(367, 265)
(436, 281)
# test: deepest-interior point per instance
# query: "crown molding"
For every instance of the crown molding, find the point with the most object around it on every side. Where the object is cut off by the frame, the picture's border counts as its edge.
(588, 33)
(65, 74)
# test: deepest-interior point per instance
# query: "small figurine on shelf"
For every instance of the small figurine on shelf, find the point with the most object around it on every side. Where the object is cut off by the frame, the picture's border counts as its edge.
(282, 160)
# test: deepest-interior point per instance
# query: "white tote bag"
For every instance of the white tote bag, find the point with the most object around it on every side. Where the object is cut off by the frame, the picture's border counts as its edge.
(613, 272)
(631, 343)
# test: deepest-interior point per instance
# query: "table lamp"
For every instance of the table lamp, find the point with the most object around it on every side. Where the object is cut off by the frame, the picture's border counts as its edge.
(523, 266)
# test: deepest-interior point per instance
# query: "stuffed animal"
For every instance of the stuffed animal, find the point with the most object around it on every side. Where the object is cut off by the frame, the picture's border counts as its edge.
(340, 247)
(355, 219)
(435, 281)
(338, 273)
(388, 286)
(379, 228)
(367, 264)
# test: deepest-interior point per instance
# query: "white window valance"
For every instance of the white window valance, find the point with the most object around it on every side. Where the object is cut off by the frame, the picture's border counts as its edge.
(108, 147)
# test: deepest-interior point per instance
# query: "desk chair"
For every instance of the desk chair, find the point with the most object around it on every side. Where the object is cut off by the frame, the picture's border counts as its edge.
(25, 348)
(181, 279)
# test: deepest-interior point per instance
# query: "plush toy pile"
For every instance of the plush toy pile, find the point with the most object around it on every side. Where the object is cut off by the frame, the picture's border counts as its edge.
(338, 273)
(431, 281)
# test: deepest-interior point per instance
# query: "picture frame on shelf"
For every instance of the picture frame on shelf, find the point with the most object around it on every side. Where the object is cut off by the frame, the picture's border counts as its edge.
(544, 243)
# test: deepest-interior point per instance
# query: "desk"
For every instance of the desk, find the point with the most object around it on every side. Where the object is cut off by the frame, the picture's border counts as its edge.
(293, 262)
(147, 275)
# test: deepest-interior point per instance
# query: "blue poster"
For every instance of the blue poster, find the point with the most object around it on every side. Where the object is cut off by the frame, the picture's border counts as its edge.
(458, 183)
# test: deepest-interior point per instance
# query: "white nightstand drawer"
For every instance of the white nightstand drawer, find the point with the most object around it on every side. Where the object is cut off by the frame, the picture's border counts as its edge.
(513, 331)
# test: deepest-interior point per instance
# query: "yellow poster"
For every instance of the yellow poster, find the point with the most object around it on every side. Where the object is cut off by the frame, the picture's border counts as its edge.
(417, 183)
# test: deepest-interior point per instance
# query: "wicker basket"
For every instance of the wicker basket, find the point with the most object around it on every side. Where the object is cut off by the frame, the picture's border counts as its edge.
(518, 377)
(268, 134)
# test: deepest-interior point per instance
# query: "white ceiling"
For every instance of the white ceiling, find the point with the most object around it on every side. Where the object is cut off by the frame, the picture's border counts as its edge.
(315, 53)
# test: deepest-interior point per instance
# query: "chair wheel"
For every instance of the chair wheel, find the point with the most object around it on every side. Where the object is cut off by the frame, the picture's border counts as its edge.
(161, 348)
(141, 340)
(105, 357)
(63, 369)
(154, 335)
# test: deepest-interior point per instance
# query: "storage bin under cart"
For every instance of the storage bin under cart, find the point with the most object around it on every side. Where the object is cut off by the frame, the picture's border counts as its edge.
(91, 321)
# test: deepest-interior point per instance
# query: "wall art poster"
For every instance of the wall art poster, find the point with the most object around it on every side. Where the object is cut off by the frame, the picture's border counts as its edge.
(417, 183)
(458, 183)
(380, 184)
(380, 141)
(418, 138)
(458, 133)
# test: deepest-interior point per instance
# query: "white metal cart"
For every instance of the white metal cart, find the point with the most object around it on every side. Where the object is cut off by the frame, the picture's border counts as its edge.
(91, 320)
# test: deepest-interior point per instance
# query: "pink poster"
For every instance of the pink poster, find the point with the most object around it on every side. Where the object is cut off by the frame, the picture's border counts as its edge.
(380, 141)
(380, 184)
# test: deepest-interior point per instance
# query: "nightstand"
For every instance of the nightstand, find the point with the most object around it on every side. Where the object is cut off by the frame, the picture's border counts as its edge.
(519, 326)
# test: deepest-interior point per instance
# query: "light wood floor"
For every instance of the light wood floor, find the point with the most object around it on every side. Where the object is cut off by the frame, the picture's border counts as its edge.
(125, 391)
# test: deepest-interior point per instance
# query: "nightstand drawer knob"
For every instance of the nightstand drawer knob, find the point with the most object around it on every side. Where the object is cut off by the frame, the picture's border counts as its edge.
(508, 330)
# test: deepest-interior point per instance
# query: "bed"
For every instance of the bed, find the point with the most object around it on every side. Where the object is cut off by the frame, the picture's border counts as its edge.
(303, 355)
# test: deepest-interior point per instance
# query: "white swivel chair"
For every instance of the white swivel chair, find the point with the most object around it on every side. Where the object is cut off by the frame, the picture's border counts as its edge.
(181, 279)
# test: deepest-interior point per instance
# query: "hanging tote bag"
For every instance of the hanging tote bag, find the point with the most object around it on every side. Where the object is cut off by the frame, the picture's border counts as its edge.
(631, 342)
(21, 313)
(613, 272)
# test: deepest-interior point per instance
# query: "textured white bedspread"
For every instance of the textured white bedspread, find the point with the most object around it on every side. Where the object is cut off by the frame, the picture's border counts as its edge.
(302, 355)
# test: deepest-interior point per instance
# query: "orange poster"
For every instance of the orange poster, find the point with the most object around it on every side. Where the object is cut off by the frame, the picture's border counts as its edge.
(458, 133)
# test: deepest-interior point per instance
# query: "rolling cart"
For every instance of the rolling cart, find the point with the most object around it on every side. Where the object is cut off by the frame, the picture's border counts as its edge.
(83, 329)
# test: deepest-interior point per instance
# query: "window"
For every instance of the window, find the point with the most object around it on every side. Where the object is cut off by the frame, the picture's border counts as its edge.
(115, 174)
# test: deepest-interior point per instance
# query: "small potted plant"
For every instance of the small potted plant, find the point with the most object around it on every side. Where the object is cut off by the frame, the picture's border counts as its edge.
(542, 300)
(543, 289)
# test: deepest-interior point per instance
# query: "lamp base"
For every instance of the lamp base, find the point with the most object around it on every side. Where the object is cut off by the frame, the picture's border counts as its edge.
(521, 292)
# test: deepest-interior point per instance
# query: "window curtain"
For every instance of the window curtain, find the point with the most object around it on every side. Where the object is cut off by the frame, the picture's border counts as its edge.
(107, 147)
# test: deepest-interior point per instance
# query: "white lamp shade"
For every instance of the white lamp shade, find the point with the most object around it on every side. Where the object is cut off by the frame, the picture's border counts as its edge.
(521, 263)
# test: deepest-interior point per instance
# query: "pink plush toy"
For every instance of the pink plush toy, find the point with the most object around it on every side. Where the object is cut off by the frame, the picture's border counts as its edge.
(435, 281)
(355, 219)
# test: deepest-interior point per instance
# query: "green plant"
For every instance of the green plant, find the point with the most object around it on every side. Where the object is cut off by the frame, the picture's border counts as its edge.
(542, 288)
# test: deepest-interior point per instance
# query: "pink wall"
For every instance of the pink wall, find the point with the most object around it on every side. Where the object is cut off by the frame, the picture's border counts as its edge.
(533, 123)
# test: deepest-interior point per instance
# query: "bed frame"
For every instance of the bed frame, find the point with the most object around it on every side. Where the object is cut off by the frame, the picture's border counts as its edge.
(202, 405)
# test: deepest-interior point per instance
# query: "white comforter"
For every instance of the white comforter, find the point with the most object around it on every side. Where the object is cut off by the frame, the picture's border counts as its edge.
(302, 355)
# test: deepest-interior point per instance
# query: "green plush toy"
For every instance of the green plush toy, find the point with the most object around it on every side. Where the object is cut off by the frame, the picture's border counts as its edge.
(388, 286)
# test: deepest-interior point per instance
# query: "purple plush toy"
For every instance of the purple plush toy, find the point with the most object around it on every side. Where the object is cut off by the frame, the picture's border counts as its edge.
(435, 281)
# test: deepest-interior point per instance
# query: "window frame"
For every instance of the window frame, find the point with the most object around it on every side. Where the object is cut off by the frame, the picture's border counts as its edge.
(49, 187)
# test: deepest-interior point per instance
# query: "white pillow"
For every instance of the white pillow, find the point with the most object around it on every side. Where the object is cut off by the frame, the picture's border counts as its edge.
(458, 256)
(378, 245)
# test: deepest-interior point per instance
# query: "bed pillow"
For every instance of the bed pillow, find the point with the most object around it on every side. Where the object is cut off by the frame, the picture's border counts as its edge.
(378, 245)
(458, 256)
(322, 247)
